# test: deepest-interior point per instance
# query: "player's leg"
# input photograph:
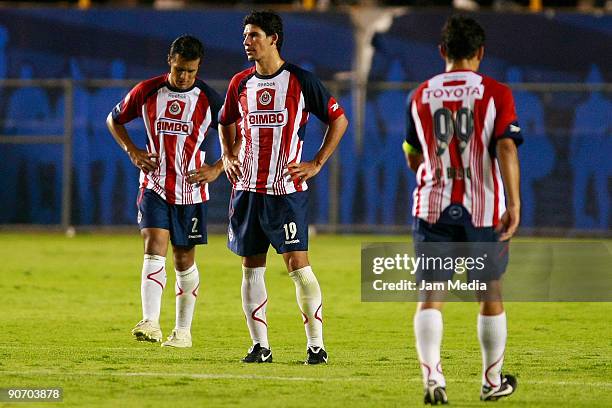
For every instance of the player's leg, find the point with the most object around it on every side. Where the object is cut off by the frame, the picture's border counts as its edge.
(491, 324)
(246, 238)
(254, 304)
(153, 282)
(186, 291)
(284, 220)
(154, 229)
(428, 323)
(309, 300)
(187, 229)
(492, 335)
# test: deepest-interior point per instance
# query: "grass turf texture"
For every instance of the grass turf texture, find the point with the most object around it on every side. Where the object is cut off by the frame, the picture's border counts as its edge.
(68, 306)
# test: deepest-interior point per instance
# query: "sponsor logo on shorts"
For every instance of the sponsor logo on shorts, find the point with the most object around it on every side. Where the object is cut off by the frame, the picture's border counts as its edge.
(295, 241)
(139, 218)
(194, 236)
(230, 234)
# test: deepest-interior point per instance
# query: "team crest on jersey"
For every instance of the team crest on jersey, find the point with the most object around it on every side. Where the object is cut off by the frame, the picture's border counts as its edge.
(265, 98)
(174, 109)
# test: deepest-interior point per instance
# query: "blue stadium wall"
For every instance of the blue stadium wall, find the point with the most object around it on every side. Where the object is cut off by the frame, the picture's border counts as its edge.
(566, 168)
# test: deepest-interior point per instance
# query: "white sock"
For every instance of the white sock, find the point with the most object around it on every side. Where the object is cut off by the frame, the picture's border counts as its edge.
(492, 335)
(428, 333)
(308, 295)
(186, 289)
(152, 285)
(254, 301)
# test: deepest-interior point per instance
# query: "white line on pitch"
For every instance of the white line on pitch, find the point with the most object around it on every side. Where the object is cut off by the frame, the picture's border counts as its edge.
(279, 378)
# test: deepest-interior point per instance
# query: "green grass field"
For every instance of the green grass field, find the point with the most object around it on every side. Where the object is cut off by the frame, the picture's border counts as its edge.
(68, 306)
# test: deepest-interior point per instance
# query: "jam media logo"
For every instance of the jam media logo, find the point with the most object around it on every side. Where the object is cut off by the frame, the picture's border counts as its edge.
(174, 109)
(267, 118)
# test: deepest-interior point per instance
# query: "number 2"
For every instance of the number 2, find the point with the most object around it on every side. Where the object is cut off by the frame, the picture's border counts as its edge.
(194, 229)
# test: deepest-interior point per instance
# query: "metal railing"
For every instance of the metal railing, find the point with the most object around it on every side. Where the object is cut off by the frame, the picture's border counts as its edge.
(67, 88)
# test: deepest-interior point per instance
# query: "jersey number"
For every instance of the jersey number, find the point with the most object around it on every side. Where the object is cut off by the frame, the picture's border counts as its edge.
(445, 127)
(194, 229)
(290, 230)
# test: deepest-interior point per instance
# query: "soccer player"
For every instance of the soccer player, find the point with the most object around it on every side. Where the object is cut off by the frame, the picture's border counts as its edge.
(177, 109)
(261, 127)
(462, 140)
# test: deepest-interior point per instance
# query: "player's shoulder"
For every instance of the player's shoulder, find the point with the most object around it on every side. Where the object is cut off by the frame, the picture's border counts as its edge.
(301, 74)
(242, 75)
(152, 83)
(495, 87)
(415, 93)
(204, 87)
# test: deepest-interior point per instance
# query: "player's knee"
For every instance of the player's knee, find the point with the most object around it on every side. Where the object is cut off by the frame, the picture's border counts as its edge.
(184, 257)
(296, 260)
(254, 261)
(155, 241)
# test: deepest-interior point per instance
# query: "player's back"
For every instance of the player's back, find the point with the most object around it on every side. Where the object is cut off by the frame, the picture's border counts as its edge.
(457, 116)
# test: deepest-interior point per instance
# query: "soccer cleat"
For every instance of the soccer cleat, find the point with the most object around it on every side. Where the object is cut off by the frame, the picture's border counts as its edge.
(147, 330)
(180, 338)
(507, 387)
(258, 354)
(315, 355)
(435, 394)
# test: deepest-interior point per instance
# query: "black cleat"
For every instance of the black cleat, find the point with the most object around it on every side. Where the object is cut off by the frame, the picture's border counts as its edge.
(507, 387)
(434, 394)
(315, 355)
(258, 354)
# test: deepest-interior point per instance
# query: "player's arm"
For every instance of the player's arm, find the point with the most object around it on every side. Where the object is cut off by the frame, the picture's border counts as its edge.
(208, 173)
(142, 159)
(507, 138)
(412, 146)
(308, 169)
(414, 157)
(230, 145)
(507, 155)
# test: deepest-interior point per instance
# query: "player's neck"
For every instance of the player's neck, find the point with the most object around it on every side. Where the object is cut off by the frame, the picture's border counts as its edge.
(269, 65)
(463, 64)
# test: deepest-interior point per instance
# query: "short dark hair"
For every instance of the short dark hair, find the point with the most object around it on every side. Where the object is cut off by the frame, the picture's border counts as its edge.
(269, 22)
(187, 47)
(462, 37)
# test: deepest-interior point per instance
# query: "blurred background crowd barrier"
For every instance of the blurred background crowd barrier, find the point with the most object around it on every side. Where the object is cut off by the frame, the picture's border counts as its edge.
(63, 69)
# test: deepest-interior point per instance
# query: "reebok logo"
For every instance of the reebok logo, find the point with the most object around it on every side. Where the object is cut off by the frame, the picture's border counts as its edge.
(515, 129)
(295, 241)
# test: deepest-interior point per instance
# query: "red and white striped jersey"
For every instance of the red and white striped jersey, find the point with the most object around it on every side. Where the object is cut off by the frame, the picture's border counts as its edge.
(176, 122)
(271, 114)
(455, 119)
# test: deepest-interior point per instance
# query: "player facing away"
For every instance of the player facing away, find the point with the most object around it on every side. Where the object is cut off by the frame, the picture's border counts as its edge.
(177, 109)
(261, 127)
(462, 140)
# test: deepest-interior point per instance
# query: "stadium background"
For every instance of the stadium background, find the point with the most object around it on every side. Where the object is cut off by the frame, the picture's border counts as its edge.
(64, 69)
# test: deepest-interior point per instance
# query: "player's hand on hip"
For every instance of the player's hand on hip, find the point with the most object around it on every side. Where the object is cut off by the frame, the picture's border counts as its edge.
(508, 223)
(204, 174)
(302, 171)
(144, 160)
(231, 165)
